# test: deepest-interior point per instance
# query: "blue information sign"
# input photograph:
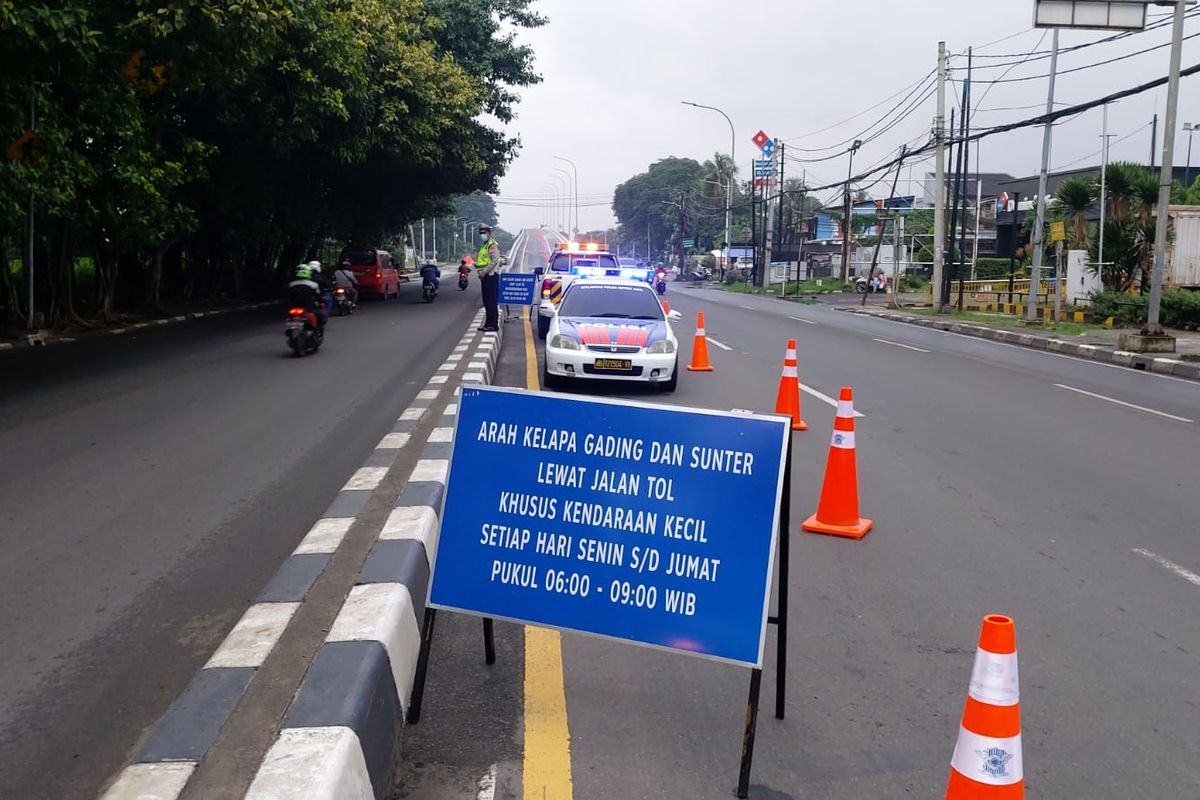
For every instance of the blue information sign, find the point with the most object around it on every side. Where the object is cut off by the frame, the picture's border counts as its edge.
(516, 288)
(649, 524)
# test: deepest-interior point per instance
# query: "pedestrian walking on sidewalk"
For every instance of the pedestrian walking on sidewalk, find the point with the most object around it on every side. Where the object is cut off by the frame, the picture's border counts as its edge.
(487, 264)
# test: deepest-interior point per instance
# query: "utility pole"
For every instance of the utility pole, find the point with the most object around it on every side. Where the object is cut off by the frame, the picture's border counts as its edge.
(1152, 333)
(966, 146)
(978, 214)
(682, 233)
(943, 288)
(939, 192)
(883, 218)
(753, 224)
(1035, 274)
(848, 210)
(897, 247)
(1104, 136)
(779, 225)
(424, 252)
(769, 226)
(435, 239)
(1153, 139)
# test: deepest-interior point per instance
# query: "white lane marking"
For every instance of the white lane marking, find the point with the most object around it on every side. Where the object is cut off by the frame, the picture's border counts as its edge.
(366, 478)
(412, 414)
(748, 308)
(824, 398)
(451, 410)
(718, 344)
(248, 644)
(802, 319)
(436, 379)
(1123, 403)
(1167, 564)
(428, 394)
(898, 344)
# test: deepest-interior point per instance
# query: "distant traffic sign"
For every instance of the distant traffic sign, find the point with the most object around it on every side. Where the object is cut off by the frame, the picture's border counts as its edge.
(517, 288)
(1058, 231)
(760, 139)
(764, 168)
(649, 524)
(688, 244)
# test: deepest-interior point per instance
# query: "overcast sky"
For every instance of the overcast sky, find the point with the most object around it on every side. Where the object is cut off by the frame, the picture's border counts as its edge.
(614, 73)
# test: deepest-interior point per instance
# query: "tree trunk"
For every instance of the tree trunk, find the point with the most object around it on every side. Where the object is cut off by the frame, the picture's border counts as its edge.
(154, 287)
(106, 282)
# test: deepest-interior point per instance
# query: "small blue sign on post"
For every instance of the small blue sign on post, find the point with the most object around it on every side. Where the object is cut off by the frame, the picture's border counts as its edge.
(517, 288)
(649, 524)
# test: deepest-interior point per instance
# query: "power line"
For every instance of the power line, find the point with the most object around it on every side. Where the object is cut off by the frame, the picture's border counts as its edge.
(865, 111)
(1054, 116)
(1103, 63)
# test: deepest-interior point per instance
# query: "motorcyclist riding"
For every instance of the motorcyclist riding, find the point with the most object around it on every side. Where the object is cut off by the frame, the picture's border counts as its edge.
(431, 273)
(305, 291)
(344, 278)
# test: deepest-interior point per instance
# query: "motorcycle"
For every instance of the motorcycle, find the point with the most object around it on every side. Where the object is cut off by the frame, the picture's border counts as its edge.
(428, 289)
(660, 285)
(342, 302)
(697, 274)
(462, 280)
(304, 335)
(865, 285)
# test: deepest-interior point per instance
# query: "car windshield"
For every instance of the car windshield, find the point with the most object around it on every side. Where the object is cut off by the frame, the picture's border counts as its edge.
(608, 300)
(359, 258)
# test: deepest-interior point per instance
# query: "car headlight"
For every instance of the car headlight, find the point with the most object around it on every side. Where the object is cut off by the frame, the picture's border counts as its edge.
(661, 347)
(560, 342)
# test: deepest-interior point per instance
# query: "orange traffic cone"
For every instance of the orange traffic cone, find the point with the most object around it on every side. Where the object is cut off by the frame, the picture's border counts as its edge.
(700, 348)
(787, 401)
(837, 511)
(666, 306)
(987, 758)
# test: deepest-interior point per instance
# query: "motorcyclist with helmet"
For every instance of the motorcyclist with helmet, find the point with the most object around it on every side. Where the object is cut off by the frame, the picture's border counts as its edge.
(306, 291)
(344, 278)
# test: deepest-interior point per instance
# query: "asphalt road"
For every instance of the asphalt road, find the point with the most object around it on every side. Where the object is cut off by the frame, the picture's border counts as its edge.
(150, 485)
(1001, 480)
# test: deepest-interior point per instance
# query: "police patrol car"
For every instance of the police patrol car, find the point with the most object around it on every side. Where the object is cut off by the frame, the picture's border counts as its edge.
(611, 328)
(572, 260)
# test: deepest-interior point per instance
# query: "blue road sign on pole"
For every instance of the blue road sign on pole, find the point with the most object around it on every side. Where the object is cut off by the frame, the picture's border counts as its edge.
(517, 288)
(764, 168)
(648, 524)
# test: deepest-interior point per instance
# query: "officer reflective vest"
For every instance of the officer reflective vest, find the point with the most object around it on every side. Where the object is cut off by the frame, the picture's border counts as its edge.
(483, 261)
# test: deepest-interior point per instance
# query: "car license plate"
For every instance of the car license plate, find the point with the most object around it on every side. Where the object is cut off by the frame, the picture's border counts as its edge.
(613, 365)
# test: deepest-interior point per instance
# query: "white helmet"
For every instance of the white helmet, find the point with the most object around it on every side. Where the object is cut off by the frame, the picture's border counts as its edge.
(315, 266)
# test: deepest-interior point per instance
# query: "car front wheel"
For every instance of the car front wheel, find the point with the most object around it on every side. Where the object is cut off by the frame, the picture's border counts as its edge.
(543, 327)
(671, 385)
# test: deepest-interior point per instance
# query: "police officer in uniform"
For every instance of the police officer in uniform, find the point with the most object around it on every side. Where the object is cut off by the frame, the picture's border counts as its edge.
(487, 264)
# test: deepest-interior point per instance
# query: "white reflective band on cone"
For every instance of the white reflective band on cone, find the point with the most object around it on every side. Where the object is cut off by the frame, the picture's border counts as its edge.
(985, 759)
(845, 408)
(790, 355)
(700, 332)
(843, 440)
(790, 372)
(994, 679)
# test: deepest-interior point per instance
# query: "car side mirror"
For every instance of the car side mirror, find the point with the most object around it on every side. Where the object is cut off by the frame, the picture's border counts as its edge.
(674, 315)
(539, 271)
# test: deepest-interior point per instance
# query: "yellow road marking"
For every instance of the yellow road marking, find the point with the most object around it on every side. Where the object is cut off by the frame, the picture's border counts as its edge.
(547, 768)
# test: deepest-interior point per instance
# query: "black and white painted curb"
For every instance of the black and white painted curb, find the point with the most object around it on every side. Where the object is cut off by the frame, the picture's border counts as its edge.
(1105, 355)
(43, 338)
(340, 737)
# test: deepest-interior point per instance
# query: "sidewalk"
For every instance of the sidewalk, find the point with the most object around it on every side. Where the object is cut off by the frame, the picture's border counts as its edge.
(1098, 344)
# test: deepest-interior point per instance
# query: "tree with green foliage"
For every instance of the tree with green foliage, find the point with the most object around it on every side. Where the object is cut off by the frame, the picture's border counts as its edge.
(198, 148)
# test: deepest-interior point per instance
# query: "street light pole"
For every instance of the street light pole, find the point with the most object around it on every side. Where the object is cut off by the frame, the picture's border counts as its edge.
(1153, 327)
(729, 182)
(847, 211)
(1035, 272)
(575, 170)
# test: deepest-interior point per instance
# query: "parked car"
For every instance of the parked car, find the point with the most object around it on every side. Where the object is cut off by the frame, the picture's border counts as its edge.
(375, 271)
